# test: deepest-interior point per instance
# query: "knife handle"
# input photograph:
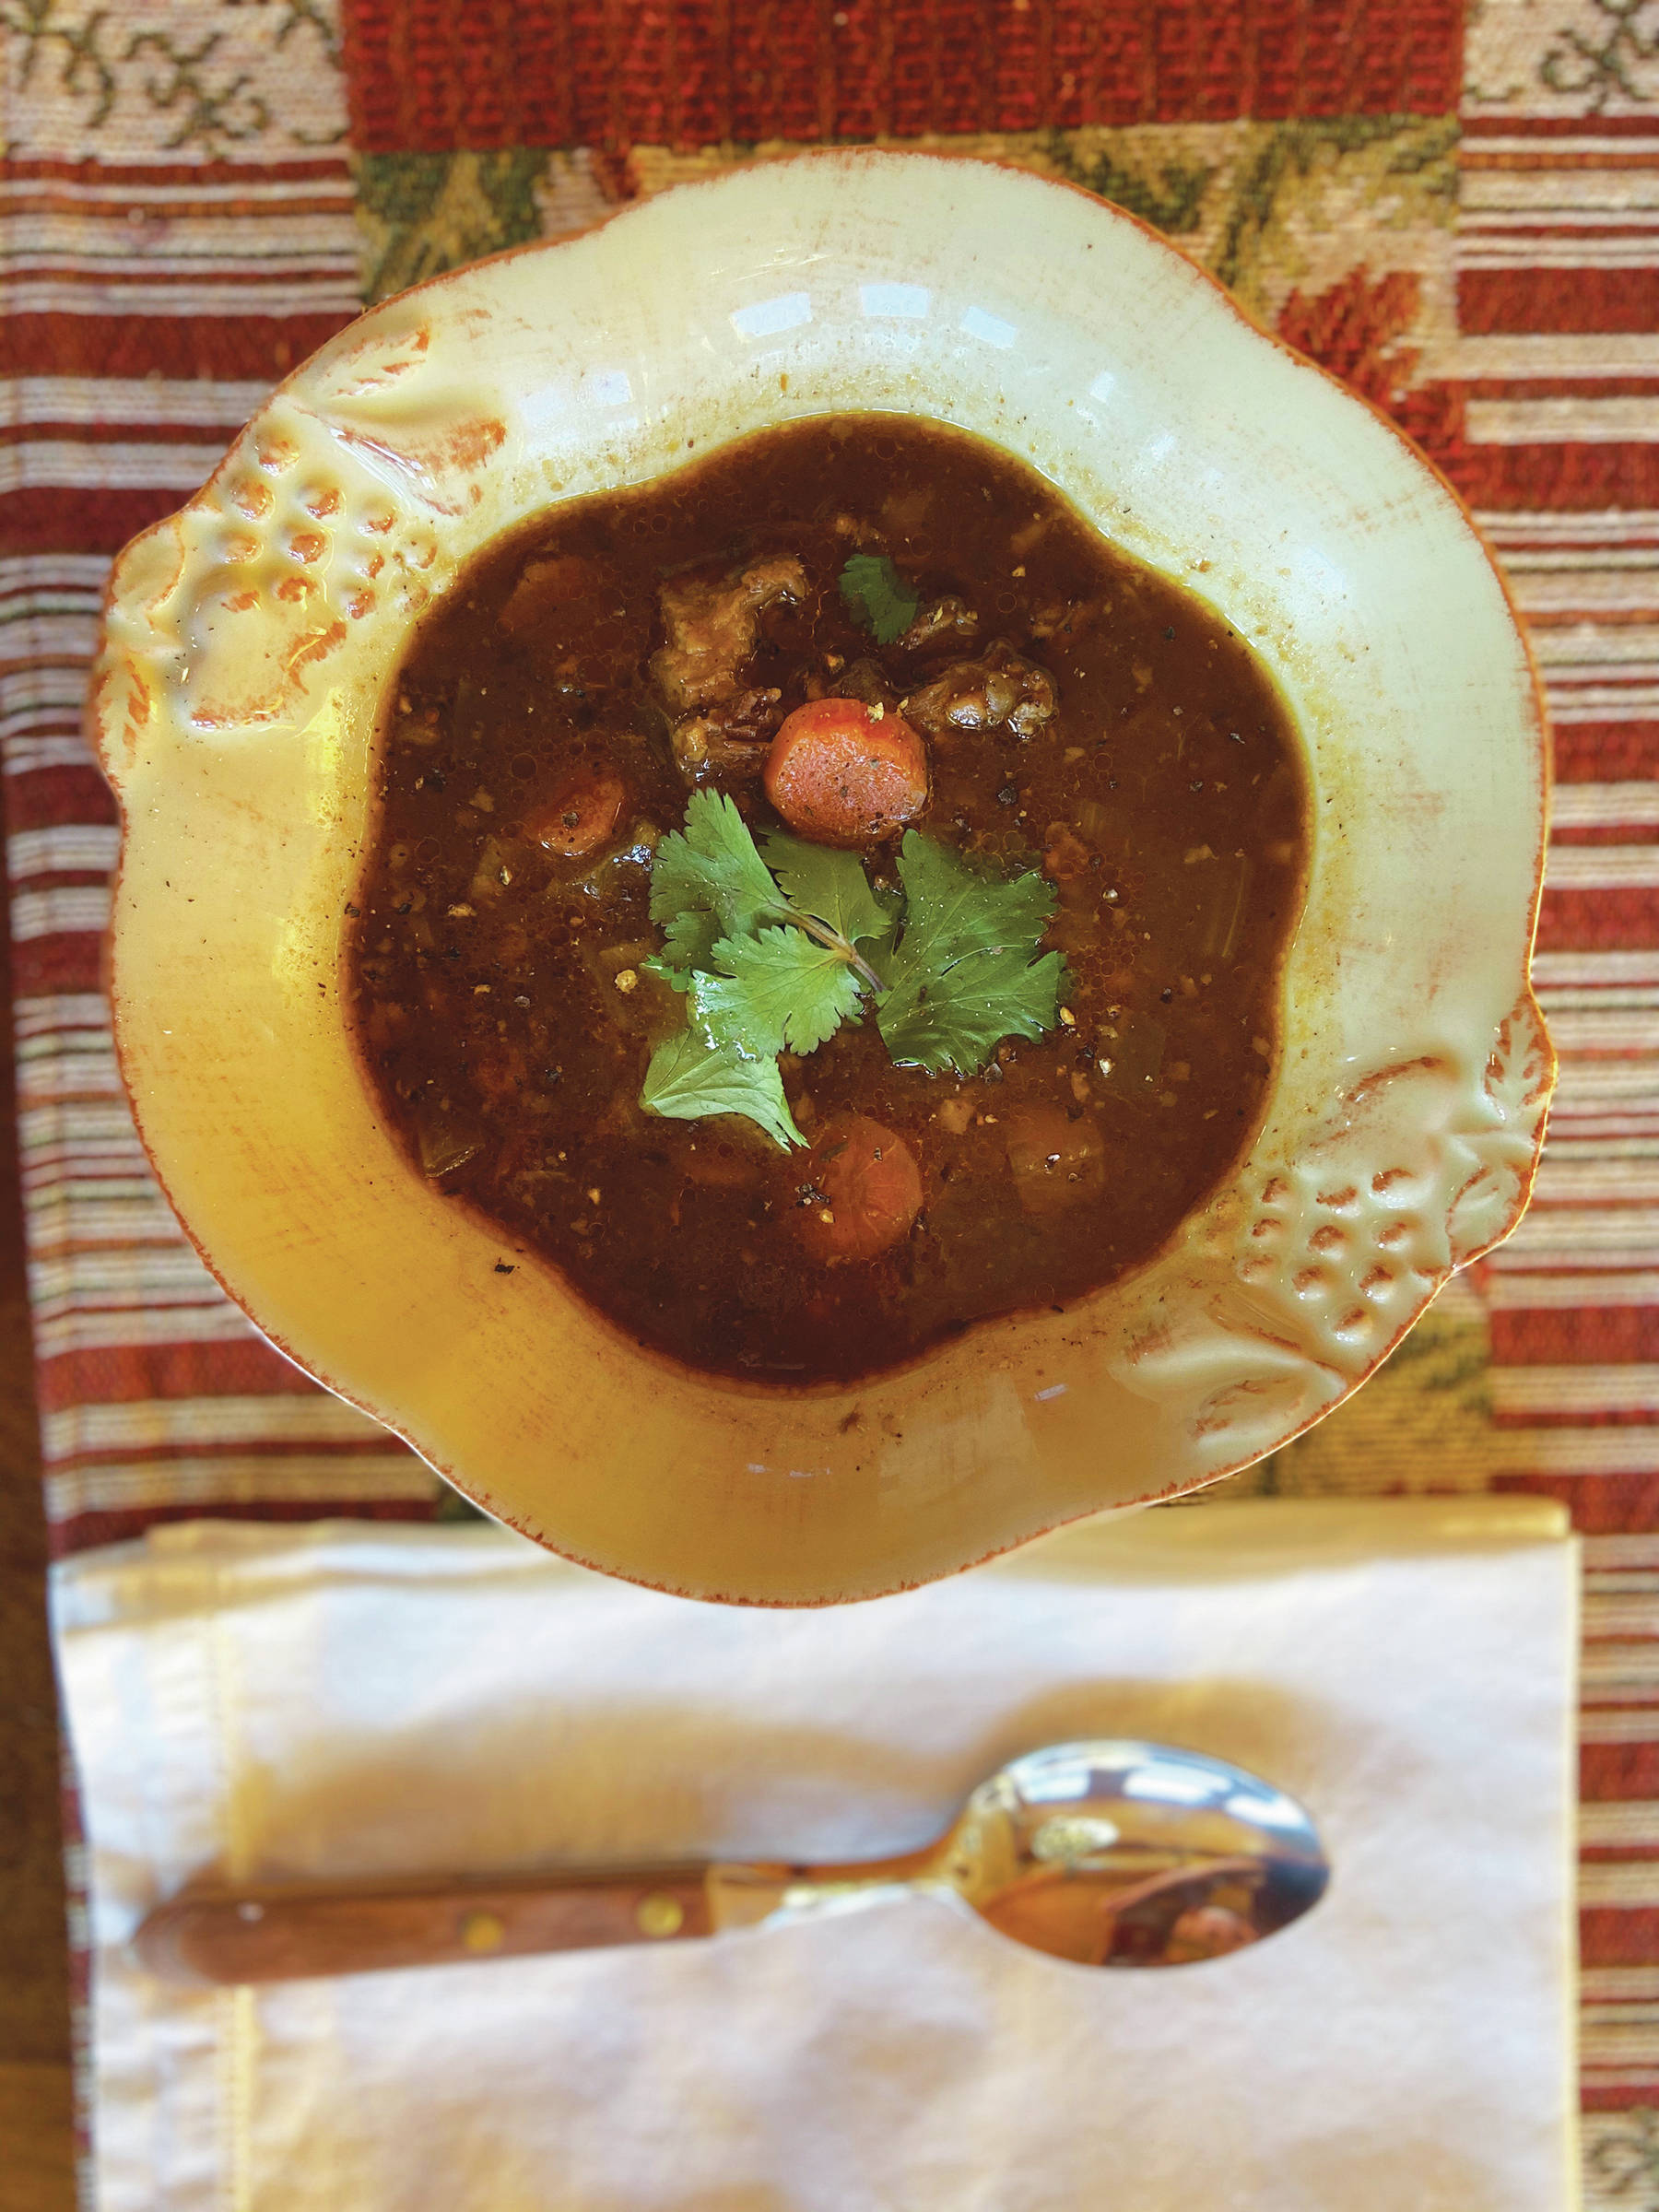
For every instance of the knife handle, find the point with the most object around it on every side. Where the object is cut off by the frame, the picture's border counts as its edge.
(283, 1935)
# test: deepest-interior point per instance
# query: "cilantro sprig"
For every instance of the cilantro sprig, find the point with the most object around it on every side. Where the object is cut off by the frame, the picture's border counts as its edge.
(774, 946)
(878, 597)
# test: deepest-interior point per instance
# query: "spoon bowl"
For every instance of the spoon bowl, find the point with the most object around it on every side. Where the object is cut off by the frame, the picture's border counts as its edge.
(1110, 1853)
(1106, 1852)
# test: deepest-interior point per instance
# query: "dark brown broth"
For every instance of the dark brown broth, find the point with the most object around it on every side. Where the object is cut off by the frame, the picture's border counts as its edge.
(483, 970)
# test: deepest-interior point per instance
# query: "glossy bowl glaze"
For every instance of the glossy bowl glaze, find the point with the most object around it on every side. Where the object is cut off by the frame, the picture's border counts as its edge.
(250, 642)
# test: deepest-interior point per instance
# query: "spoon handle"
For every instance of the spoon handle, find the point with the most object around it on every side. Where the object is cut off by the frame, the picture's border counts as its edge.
(281, 1935)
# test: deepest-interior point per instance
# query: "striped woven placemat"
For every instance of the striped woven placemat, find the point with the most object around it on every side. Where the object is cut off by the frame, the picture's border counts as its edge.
(1461, 219)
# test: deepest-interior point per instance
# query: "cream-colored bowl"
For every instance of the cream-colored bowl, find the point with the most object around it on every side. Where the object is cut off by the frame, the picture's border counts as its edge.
(250, 642)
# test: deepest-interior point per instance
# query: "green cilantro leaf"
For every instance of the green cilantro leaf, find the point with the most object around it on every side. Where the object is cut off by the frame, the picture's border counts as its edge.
(689, 1078)
(708, 881)
(831, 885)
(676, 976)
(963, 975)
(959, 1017)
(878, 597)
(779, 992)
(952, 908)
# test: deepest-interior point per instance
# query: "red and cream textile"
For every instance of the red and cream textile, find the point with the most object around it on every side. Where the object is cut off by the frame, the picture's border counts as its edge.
(1558, 295)
(178, 229)
(1460, 218)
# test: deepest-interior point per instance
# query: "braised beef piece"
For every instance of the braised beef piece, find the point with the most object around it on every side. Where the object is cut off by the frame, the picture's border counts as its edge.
(948, 621)
(722, 721)
(731, 738)
(712, 628)
(869, 681)
(1002, 687)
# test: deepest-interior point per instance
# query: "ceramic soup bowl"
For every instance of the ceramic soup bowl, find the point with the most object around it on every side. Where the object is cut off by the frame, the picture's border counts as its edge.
(251, 641)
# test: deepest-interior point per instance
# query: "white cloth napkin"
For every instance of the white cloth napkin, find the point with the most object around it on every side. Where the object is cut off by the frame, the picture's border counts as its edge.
(278, 1702)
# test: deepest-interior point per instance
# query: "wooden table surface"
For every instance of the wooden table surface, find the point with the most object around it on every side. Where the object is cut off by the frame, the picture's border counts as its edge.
(37, 2167)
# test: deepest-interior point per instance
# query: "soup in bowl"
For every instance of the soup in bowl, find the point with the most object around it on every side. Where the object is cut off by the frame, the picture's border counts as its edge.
(826, 877)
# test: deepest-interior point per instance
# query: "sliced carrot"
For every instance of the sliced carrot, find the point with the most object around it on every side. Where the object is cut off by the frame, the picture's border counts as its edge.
(840, 775)
(579, 817)
(865, 1191)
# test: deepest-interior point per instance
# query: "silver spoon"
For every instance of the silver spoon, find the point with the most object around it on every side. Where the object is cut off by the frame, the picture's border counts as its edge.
(1109, 1853)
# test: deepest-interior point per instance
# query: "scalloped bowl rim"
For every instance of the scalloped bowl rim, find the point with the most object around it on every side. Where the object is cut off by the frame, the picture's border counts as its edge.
(248, 642)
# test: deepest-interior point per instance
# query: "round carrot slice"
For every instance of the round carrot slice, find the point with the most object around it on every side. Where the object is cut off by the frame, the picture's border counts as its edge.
(579, 817)
(842, 776)
(865, 1191)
